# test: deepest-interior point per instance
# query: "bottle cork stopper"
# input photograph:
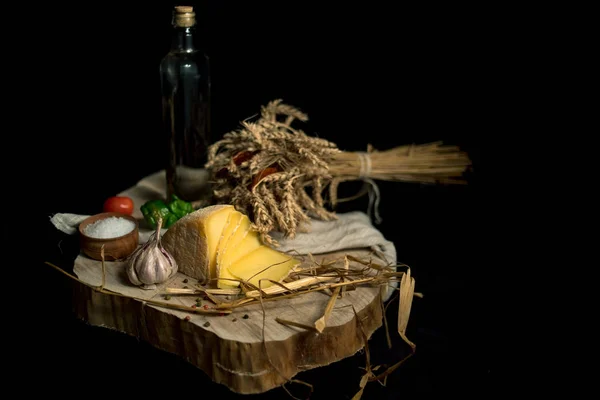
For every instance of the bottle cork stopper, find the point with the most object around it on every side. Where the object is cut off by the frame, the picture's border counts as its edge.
(184, 9)
(184, 16)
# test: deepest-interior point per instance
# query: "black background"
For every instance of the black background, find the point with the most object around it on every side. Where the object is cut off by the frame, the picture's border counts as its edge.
(374, 73)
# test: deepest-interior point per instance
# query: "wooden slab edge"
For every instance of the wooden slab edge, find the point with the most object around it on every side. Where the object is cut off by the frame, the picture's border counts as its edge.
(243, 367)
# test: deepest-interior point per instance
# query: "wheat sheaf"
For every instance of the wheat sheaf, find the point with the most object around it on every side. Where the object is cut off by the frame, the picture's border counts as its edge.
(277, 174)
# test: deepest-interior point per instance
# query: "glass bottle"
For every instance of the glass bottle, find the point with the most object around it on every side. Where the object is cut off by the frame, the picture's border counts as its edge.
(186, 105)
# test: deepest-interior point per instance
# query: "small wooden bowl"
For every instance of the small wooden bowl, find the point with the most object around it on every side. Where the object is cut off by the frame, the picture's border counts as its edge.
(116, 248)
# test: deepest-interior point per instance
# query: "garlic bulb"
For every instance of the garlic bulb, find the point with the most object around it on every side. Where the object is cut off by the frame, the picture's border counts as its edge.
(151, 263)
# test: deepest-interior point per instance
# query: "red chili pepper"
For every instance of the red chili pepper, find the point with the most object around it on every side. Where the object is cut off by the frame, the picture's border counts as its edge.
(237, 159)
(265, 172)
(242, 156)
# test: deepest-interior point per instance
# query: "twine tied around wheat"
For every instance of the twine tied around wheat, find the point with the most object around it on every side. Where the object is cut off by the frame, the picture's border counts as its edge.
(277, 174)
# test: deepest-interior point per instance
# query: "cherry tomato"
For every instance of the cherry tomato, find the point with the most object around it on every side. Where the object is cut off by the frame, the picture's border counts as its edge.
(120, 204)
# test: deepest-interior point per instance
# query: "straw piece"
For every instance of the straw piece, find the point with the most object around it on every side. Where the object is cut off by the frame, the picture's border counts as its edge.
(347, 268)
(321, 323)
(101, 287)
(288, 287)
(202, 290)
(296, 324)
(407, 289)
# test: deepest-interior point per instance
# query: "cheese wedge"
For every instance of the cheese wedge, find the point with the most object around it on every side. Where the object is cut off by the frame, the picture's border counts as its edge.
(193, 240)
(263, 264)
(243, 241)
(218, 245)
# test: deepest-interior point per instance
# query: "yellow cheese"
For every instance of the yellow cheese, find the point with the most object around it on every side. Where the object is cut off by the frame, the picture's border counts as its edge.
(233, 223)
(193, 240)
(261, 264)
(243, 241)
(217, 243)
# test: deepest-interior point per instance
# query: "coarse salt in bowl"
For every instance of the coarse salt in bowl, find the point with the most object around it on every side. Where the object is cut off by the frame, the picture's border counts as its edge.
(108, 228)
(118, 233)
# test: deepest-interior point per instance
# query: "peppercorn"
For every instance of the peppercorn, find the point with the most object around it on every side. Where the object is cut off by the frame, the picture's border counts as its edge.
(167, 297)
(206, 324)
(185, 280)
(245, 316)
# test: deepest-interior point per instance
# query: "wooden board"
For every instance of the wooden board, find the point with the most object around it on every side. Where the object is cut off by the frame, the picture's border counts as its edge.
(233, 350)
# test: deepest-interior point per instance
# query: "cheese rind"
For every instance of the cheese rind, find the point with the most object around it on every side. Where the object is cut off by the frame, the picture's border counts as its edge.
(193, 240)
(263, 265)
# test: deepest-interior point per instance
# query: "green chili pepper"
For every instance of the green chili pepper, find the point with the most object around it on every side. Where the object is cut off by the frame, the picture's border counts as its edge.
(170, 213)
(180, 207)
(153, 209)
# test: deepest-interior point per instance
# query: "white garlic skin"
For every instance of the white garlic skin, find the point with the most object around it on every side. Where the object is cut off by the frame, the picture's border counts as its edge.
(151, 264)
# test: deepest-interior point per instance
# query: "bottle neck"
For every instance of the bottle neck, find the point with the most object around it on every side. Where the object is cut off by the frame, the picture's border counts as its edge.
(183, 39)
